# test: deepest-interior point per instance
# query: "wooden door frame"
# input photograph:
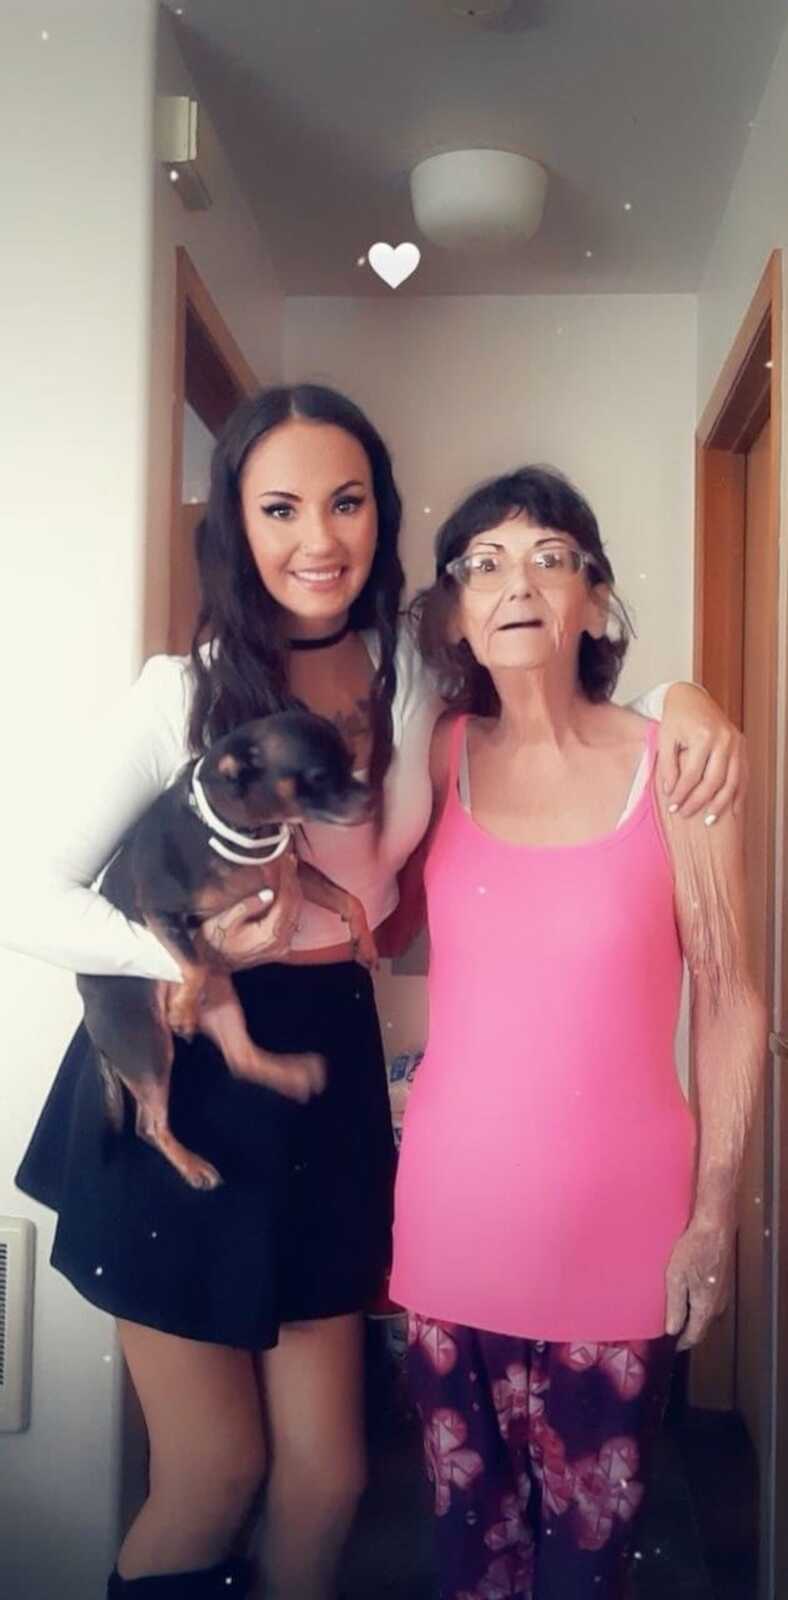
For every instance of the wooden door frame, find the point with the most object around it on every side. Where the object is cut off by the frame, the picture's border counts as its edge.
(732, 418)
(195, 308)
(747, 392)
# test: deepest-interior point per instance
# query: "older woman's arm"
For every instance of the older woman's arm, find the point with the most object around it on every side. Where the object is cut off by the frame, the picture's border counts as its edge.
(729, 1037)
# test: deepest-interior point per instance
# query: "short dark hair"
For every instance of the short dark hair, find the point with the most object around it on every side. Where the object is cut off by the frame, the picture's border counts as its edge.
(548, 500)
(246, 676)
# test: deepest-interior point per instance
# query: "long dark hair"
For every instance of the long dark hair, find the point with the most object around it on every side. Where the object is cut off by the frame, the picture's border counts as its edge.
(243, 674)
(548, 500)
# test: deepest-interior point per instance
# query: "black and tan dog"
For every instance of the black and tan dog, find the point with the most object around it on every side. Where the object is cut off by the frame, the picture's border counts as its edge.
(221, 833)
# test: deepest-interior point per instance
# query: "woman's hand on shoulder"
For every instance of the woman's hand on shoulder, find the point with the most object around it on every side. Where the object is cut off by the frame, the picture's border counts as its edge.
(254, 931)
(702, 756)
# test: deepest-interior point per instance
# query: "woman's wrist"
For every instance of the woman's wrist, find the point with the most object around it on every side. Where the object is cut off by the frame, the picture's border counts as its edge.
(715, 1199)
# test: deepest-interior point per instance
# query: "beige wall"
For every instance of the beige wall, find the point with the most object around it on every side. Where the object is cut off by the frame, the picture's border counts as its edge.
(601, 386)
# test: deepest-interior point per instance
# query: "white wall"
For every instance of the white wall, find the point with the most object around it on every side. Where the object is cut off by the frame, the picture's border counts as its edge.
(602, 387)
(230, 255)
(87, 290)
(75, 293)
(198, 443)
(754, 223)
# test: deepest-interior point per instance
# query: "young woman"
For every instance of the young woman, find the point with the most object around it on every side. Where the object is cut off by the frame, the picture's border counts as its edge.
(239, 1311)
(554, 1229)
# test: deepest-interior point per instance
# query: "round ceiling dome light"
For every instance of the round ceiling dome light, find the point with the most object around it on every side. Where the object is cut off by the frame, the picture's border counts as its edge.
(478, 198)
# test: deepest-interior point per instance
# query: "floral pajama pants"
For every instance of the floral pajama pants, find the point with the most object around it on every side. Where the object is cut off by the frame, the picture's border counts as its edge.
(538, 1455)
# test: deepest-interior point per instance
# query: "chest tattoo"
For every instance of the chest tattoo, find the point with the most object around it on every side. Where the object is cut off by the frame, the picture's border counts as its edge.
(354, 724)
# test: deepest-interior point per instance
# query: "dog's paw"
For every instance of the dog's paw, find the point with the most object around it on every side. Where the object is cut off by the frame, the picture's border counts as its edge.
(200, 1174)
(365, 950)
(298, 1077)
(305, 1076)
(183, 1013)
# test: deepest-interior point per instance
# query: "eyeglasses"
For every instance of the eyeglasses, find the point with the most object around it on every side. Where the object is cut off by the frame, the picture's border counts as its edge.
(487, 570)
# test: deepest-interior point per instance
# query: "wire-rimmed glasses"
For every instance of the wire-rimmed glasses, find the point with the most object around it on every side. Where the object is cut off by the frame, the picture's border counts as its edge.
(487, 570)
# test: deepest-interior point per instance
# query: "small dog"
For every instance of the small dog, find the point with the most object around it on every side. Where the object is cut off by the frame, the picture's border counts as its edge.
(222, 832)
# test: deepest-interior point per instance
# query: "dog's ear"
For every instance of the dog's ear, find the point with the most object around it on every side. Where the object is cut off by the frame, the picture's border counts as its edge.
(229, 766)
(241, 763)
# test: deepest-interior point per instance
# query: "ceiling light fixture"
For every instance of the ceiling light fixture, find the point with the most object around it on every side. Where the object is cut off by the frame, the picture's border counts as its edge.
(469, 198)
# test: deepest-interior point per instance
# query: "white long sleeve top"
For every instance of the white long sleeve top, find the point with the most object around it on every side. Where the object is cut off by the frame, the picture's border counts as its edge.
(64, 919)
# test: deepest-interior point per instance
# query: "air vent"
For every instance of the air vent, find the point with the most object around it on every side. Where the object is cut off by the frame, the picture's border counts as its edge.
(16, 1322)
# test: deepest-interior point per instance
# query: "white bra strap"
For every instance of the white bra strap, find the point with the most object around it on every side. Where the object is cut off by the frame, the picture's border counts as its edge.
(639, 782)
(463, 773)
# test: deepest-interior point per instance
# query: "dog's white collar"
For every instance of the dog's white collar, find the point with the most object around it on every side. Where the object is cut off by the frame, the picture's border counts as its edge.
(272, 848)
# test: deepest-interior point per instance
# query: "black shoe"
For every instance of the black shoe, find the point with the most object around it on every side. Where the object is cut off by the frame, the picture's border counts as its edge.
(229, 1581)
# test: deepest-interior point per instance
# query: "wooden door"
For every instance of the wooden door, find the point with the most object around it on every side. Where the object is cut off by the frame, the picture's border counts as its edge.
(753, 1334)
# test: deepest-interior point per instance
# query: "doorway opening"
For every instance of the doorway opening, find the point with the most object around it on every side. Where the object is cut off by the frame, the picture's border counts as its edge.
(210, 377)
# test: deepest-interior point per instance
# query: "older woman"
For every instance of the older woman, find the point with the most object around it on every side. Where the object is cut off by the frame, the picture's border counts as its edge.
(558, 1222)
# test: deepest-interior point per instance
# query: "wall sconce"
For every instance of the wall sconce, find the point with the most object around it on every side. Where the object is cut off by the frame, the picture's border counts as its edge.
(177, 128)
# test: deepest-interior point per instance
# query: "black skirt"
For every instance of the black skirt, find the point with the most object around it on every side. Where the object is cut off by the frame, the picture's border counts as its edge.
(300, 1227)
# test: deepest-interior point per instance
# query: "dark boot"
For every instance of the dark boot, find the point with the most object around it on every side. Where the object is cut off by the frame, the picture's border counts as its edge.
(229, 1581)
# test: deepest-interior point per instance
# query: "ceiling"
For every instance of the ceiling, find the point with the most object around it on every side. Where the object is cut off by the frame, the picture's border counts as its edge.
(324, 106)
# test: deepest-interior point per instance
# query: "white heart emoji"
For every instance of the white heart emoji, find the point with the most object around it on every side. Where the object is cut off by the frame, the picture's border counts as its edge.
(393, 266)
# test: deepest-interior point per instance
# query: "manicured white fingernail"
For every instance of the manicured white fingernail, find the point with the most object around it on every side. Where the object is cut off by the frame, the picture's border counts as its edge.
(266, 896)
(673, 808)
(710, 819)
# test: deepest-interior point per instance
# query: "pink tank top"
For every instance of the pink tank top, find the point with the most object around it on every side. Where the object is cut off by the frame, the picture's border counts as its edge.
(547, 1160)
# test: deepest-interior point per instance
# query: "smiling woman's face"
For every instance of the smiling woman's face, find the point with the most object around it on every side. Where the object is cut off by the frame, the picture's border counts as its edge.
(528, 621)
(311, 520)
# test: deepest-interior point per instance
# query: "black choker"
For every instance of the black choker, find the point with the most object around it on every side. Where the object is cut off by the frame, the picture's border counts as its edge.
(320, 644)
